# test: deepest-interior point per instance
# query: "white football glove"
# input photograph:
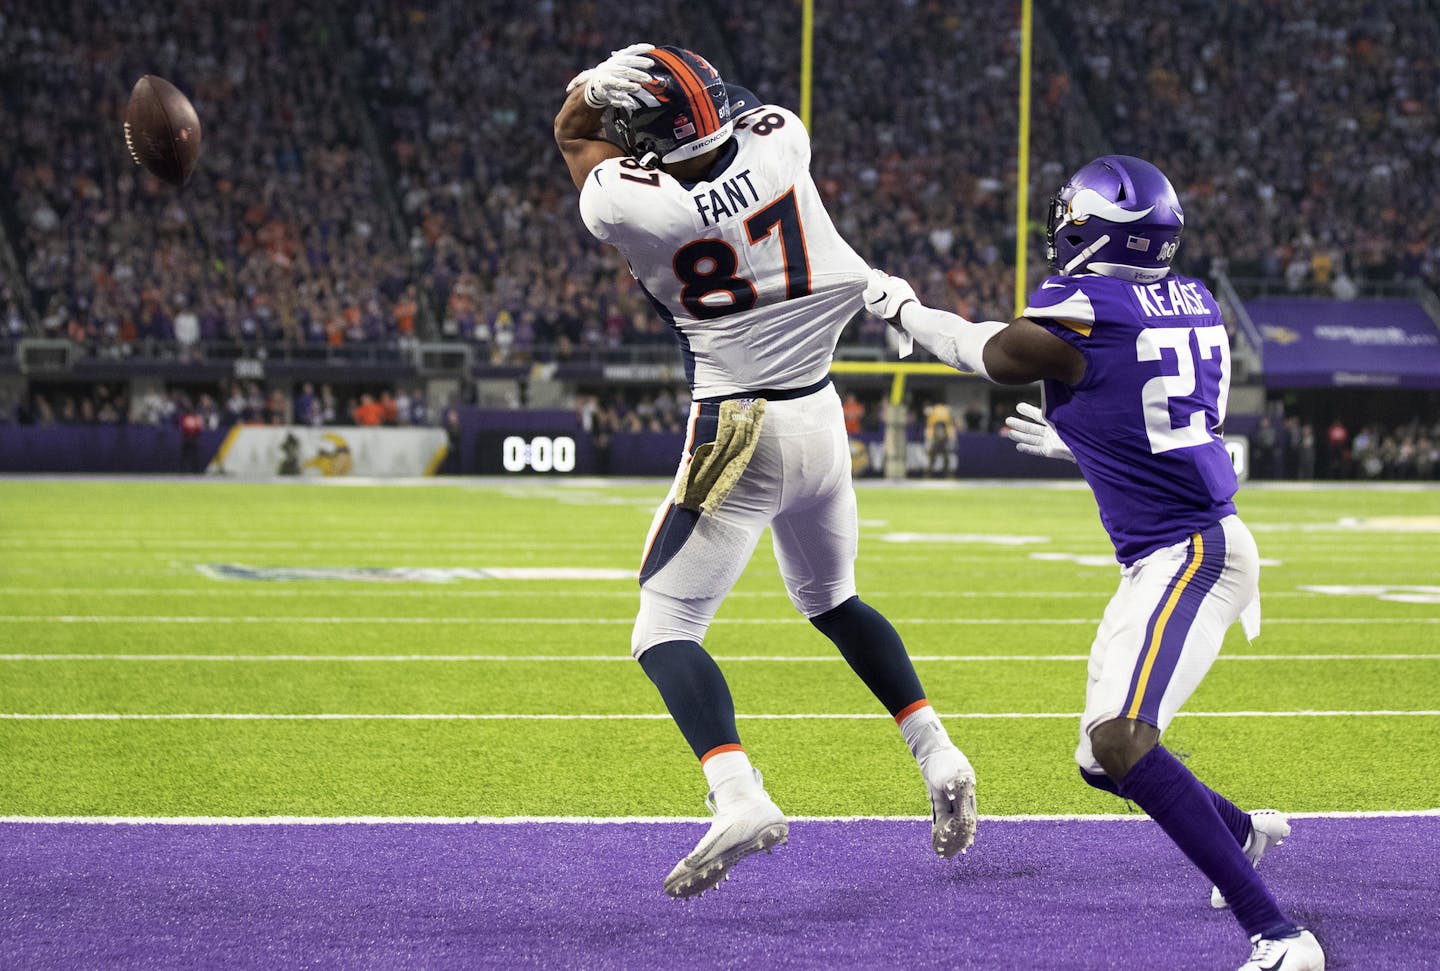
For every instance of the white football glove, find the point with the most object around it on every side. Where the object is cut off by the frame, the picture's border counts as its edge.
(885, 295)
(612, 80)
(1036, 436)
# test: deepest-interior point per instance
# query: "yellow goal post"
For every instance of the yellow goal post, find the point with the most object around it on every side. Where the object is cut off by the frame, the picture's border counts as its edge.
(1022, 147)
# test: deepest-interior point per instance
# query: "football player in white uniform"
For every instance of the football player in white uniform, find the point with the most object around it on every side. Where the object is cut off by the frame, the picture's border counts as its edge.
(707, 194)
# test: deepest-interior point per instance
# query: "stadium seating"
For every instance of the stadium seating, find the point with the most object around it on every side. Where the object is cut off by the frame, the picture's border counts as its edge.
(388, 170)
(381, 174)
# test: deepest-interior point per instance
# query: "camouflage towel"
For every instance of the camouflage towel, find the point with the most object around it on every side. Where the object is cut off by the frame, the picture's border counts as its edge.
(716, 466)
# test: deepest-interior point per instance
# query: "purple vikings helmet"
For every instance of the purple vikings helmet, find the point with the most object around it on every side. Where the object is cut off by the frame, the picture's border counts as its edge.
(684, 112)
(1117, 216)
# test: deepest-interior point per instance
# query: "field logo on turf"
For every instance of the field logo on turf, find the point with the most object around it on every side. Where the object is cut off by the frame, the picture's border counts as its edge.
(1394, 524)
(404, 574)
(1393, 592)
(1079, 559)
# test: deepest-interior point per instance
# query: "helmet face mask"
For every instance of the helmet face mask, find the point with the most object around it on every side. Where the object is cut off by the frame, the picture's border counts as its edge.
(684, 112)
(1117, 216)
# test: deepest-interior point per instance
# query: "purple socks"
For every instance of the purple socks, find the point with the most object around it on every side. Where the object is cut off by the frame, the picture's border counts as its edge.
(1191, 815)
(1235, 819)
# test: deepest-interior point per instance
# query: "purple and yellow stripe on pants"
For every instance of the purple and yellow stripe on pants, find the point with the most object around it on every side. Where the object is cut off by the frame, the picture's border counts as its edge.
(1170, 623)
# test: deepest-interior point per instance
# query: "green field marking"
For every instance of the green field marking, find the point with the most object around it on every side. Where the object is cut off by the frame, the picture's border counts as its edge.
(520, 687)
(76, 548)
(643, 768)
(440, 604)
(221, 595)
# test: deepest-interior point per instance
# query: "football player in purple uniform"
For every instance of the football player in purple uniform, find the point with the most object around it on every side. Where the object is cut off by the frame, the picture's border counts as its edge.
(706, 192)
(1135, 365)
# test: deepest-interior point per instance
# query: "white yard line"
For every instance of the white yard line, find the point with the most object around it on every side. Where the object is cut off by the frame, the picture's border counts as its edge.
(641, 716)
(150, 544)
(308, 589)
(562, 621)
(621, 820)
(624, 657)
(445, 590)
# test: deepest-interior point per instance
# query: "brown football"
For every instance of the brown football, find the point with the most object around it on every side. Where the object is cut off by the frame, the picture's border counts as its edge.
(162, 130)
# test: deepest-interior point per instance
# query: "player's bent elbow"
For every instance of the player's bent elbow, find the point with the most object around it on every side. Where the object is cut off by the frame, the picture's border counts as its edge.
(1006, 367)
(1006, 370)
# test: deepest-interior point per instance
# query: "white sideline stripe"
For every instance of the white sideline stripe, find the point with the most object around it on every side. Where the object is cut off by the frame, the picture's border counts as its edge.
(639, 716)
(625, 820)
(121, 547)
(553, 621)
(310, 588)
(626, 658)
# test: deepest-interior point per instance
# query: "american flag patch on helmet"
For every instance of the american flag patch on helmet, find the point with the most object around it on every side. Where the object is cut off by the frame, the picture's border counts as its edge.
(1142, 243)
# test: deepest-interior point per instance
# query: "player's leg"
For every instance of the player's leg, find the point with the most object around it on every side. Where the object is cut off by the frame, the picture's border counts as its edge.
(816, 538)
(1174, 609)
(667, 643)
(690, 563)
(1120, 625)
(1255, 832)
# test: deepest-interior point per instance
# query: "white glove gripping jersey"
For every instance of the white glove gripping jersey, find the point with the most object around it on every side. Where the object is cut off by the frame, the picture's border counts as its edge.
(747, 267)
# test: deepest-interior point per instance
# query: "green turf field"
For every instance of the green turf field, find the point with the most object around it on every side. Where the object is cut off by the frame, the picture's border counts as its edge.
(106, 612)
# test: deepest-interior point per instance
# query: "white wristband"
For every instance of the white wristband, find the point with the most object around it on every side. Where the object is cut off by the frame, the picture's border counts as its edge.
(958, 342)
(593, 98)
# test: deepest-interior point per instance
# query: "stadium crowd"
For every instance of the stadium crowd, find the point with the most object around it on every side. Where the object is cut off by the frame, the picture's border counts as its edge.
(229, 403)
(378, 173)
(1303, 138)
(278, 238)
(386, 170)
(1290, 448)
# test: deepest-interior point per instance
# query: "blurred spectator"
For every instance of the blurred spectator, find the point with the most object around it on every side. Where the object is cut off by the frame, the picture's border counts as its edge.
(854, 413)
(356, 192)
(368, 412)
(191, 426)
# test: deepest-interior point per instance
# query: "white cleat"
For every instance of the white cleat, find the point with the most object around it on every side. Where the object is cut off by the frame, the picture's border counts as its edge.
(1299, 952)
(952, 807)
(1270, 829)
(743, 828)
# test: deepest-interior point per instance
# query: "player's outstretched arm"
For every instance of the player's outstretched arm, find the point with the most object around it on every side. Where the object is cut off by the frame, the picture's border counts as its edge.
(578, 125)
(1019, 352)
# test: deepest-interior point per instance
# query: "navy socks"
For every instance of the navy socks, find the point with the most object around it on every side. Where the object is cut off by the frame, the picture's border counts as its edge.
(874, 651)
(695, 693)
(697, 697)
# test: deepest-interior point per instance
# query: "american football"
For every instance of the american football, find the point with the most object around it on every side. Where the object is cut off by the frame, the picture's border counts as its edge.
(162, 130)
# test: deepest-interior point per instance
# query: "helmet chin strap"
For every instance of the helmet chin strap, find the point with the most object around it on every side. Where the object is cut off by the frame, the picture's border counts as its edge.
(1086, 253)
(649, 160)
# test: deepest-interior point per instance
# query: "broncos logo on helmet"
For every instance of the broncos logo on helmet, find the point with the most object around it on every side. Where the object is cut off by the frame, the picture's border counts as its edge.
(1117, 216)
(684, 110)
(658, 89)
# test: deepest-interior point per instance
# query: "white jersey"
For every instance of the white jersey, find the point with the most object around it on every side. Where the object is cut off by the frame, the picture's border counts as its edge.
(747, 267)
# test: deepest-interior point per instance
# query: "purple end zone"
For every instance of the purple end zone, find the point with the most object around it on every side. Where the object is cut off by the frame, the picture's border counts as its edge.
(1054, 895)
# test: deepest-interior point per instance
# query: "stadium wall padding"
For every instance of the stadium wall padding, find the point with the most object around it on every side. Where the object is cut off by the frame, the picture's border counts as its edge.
(145, 449)
(99, 448)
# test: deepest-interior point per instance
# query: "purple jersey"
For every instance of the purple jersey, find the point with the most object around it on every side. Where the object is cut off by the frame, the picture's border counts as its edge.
(1144, 421)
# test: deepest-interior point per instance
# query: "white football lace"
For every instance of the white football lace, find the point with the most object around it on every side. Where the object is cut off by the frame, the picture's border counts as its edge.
(130, 144)
(1267, 948)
